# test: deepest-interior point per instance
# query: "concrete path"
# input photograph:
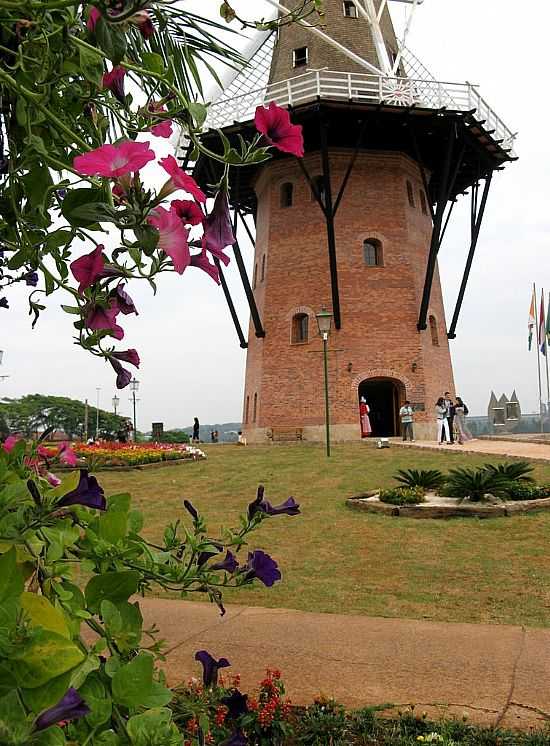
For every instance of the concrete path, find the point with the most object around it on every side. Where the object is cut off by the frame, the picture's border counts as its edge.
(515, 449)
(494, 674)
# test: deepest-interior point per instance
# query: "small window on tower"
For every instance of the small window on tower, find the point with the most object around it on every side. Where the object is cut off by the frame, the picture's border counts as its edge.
(423, 202)
(247, 410)
(262, 276)
(255, 276)
(319, 184)
(300, 328)
(433, 331)
(350, 11)
(255, 408)
(372, 252)
(410, 193)
(300, 57)
(287, 191)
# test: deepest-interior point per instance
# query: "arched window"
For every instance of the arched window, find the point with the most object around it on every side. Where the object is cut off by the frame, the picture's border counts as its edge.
(319, 183)
(300, 323)
(255, 276)
(287, 190)
(372, 252)
(410, 193)
(255, 408)
(247, 410)
(423, 202)
(262, 275)
(433, 331)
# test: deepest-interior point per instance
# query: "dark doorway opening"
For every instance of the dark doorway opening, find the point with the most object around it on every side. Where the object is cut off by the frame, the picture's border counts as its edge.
(384, 397)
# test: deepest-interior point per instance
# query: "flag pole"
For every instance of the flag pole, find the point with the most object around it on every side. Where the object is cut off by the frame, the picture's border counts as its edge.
(537, 324)
(546, 356)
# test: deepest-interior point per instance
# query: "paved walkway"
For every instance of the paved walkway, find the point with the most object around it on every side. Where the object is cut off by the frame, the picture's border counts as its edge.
(516, 449)
(495, 674)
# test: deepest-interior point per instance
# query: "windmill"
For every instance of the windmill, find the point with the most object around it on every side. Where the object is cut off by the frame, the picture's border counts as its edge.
(357, 224)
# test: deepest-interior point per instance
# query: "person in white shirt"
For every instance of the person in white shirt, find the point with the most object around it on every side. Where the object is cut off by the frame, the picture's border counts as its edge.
(442, 421)
(242, 440)
(406, 414)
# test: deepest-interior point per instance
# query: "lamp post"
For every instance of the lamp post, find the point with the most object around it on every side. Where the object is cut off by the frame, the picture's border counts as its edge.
(97, 416)
(324, 321)
(134, 385)
(116, 402)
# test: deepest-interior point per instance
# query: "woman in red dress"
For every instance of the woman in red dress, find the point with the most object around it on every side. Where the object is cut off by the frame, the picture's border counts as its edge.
(364, 410)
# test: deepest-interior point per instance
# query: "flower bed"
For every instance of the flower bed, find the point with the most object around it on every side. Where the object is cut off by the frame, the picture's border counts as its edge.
(134, 454)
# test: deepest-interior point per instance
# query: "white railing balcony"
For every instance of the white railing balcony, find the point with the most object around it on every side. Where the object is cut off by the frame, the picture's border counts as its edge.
(337, 86)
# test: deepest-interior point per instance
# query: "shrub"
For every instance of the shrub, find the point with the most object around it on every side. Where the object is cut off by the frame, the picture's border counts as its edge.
(519, 471)
(402, 495)
(323, 723)
(429, 479)
(526, 491)
(475, 483)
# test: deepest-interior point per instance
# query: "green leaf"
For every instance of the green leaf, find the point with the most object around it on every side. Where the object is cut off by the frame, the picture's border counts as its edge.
(58, 238)
(48, 694)
(11, 579)
(113, 526)
(69, 483)
(114, 586)
(37, 182)
(111, 40)
(81, 673)
(153, 62)
(96, 696)
(153, 727)
(93, 212)
(133, 684)
(107, 738)
(199, 113)
(111, 617)
(59, 538)
(53, 736)
(7, 679)
(15, 728)
(43, 614)
(45, 656)
(91, 65)
(76, 198)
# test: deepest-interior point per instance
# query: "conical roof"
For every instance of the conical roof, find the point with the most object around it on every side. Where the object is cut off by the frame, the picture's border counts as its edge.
(343, 23)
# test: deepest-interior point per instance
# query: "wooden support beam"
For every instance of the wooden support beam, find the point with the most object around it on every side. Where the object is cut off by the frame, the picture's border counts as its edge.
(254, 313)
(331, 235)
(242, 341)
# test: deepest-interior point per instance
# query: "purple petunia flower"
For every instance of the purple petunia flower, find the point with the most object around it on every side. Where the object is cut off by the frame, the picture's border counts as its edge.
(4, 303)
(236, 704)
(88, 493)
(229, 564)
(218, 232)
(205, 556)
(210, 667)
(70, 707)
(190, 509)
(31, 279)
(254, 506)
(124, 303)
(260, 565)
(98, 318)
(289, 507)
(123, 376)
(128, 356)
(235, 739)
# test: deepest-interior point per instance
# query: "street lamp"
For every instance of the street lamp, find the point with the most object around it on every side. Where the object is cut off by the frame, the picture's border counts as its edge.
(116, 402)
(134, 386)
(324, 321)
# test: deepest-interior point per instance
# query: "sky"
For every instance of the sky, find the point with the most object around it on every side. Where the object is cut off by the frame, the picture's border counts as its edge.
(192, 364)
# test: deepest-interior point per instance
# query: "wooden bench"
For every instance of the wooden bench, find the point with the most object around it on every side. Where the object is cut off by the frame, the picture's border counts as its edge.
(285, 434)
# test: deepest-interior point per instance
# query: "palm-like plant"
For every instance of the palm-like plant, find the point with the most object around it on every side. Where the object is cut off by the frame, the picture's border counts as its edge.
(519, 471)
(475, 484)
(428, 479)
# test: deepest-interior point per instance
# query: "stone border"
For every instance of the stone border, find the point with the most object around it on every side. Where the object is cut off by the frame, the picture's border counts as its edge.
(136, 467)
(505, 510)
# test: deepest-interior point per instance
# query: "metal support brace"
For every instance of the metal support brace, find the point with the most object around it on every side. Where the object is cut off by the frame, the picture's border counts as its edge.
(247, 229)
(254, 313)
(477, 219)
(331, 235)
(242, 341)
(444, 192)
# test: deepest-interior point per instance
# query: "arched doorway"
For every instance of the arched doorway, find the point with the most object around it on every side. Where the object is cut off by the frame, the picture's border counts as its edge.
(384, 397)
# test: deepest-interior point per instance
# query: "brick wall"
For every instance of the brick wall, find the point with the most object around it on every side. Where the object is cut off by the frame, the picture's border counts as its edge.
(379, 305)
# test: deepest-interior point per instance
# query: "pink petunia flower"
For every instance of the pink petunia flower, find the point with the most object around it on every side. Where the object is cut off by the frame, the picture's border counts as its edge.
(9, 443)
(202, 262)
(123, 376)
(93, 18)
(218, 231)
(52, 479)
(275, 125)
(218, 253)
(112, 161)
(114, 81)
(99, 318)
(88, 269)
(67, 456)
(162, 129)
(188, 211)
(179, 180)
(172, 236)
(142, 19)
(128, 356)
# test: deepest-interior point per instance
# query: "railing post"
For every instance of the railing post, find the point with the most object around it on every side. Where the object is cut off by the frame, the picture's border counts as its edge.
(380, 88)
(289, 92)
(318, 77)
(349, 86)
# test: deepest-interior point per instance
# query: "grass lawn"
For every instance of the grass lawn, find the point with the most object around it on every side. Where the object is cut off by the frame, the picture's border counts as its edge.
(337, 560)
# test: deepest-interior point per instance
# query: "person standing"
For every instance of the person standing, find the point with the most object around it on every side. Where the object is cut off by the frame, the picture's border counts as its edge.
(442, 420)
(461, 412)
(407, 416)
(196, 430)
(450, 416)
(364, 410)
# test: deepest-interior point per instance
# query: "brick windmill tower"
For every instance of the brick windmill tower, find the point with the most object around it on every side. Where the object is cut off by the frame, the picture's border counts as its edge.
(356, 225)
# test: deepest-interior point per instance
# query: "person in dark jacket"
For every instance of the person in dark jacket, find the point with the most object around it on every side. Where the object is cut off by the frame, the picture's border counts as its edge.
(196, 430)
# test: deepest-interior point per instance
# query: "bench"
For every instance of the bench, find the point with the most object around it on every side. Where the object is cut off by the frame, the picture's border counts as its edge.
(285, 434)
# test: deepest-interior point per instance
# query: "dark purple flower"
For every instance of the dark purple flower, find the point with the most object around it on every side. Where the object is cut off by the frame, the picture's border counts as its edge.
(128, 356)
(123, 376)
(289, 507)
(4, 303)
(236, 704)
(124, 303)
(229, 564)
(260, 565)
(210, 667)
(70, 707)
(88, 493)
(31, 279)
(99, 318)
(205, 556)
(61, 193)
(235, 739)
(190, 509)
(218, 232)
(254, 506)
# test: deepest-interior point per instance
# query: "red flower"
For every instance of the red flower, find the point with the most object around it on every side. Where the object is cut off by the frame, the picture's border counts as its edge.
(188, 211)
(112, 161)
(202, 262)
(114, 81)
(275, 125)
(93, 18)
(99, 318)
(142, 19)
(172, 236)
(88, 268)
(179, 180)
